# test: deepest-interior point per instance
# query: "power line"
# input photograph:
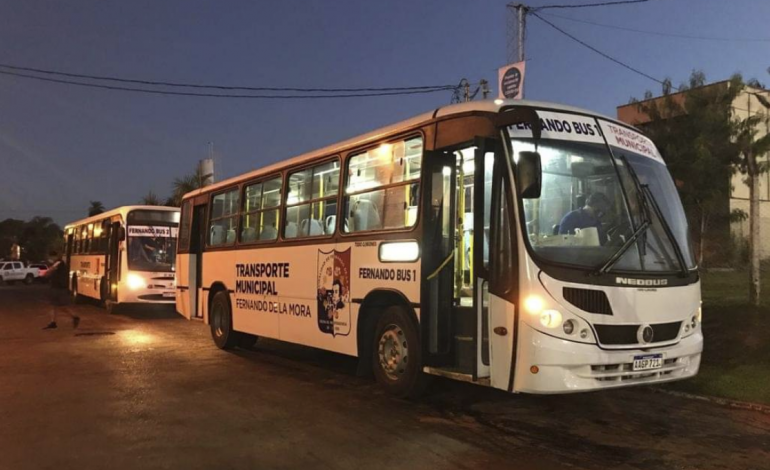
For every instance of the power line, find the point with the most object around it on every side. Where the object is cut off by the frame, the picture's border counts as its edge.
(589, 5)
(606, 56)
(658, 33)
(218, 87)
(218, 95)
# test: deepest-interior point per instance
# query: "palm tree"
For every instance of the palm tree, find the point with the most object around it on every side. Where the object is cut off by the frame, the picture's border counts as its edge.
(95, 208)
(150, 199)
(184, 185)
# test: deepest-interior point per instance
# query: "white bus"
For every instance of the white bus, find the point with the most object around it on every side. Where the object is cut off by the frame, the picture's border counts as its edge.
(527, 246)
(123, 256)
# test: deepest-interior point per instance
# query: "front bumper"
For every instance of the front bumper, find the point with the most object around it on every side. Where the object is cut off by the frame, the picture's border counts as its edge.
(566, 366)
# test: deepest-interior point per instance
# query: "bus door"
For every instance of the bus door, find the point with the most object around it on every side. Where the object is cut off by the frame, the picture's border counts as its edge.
(456, 247)
(112, 261)
(195, 266)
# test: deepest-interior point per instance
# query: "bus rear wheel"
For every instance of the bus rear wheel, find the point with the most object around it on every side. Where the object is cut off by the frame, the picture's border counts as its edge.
(221, 322)
(396, 356)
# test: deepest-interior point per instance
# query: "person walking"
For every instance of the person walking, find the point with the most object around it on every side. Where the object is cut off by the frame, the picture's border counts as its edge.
(59, 296)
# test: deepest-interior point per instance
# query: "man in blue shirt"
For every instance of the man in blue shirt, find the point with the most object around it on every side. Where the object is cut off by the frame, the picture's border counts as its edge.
(590, 215)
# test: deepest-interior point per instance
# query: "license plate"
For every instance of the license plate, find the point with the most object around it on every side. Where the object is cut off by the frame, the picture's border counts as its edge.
(648, 362)
(169, 294)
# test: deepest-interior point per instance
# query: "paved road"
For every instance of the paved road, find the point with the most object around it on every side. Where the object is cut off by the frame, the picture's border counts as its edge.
(147, 389)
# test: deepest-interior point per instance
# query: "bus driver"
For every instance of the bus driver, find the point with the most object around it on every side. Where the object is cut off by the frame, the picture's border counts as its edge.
(590, 215)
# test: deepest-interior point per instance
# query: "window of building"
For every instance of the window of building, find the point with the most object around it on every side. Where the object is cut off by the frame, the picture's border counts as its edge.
(259, 219)
(311, 201)
(383, 186)
(224, 218)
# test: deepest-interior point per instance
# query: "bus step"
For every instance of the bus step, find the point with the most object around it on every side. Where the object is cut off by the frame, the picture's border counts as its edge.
(464, 354)
(455, 374)
(465, 321)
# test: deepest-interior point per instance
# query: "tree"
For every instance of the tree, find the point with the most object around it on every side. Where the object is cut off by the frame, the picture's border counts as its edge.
(95, 208)
(184, 185)
(150, 199)
(693, 130)
(750, 150)
(37, 237)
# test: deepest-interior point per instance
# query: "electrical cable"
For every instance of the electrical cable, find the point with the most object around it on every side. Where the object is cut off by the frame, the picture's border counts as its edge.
(606, 56)
(588, 5)
(218, 87)
(657, 33)
(217, 95)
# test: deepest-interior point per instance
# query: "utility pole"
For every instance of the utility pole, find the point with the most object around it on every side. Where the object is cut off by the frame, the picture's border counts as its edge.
(517, 24)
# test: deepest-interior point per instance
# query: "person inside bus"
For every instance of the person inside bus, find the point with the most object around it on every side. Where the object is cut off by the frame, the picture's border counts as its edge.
(139, 250)
(597, 205)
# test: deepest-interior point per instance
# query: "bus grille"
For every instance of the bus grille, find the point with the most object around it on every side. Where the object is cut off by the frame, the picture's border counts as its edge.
(594, 301)
(616, 335)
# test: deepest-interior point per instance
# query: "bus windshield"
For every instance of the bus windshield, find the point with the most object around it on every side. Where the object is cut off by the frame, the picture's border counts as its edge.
(592, 203)
(152, 248)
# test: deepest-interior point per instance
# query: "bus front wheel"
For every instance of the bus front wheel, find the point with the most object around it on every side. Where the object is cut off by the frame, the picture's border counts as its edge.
(396, 356)
(221, 322)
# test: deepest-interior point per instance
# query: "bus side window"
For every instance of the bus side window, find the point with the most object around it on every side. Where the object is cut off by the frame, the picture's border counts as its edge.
(311, 201)
(185, 226)
(224, 218)
(261, 202)
(383, 187)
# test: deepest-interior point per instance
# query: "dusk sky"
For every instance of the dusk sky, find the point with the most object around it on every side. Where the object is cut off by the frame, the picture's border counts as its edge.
(61, 146)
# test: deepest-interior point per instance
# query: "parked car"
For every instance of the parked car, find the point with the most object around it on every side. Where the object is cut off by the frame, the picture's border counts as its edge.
(12, 271)
(42, 268)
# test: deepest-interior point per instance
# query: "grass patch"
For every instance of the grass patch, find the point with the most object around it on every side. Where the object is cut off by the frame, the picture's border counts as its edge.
(736, 350)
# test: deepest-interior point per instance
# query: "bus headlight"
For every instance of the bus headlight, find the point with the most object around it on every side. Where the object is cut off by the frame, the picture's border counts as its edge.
(135, 281)
(550, 318)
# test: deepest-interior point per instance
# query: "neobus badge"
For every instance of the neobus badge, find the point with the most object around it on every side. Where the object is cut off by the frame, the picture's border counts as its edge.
(629, 281)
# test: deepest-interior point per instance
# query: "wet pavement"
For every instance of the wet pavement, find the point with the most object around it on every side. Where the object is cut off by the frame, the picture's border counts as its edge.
(148, 389)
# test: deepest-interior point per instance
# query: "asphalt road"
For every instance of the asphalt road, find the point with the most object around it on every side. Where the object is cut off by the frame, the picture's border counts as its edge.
(148, 389)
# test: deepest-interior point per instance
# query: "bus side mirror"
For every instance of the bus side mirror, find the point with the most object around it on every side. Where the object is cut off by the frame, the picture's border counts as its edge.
(529, 175)
(121, 233)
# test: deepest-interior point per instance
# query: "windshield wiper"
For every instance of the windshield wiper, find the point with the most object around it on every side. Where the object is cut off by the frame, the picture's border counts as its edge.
(646, 223)
(667, 229)
(622, 250)
(647, 199)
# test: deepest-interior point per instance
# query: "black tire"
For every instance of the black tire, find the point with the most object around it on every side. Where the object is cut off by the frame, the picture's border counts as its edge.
(221, 322)
(247, 341)
(29, 279)
(396, 354)
(111, 307)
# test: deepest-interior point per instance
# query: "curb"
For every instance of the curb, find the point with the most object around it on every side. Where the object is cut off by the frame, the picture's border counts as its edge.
(741, 405)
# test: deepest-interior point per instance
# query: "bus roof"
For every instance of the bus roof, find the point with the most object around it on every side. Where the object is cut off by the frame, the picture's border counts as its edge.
(491, 106)
(122, 211)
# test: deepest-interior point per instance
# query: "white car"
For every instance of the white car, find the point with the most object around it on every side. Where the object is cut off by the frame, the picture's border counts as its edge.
(12, 271)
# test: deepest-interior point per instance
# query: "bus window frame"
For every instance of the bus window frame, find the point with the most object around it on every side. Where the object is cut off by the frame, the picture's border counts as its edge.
(410, 134)
(241, 213)
(238, 188)
(285, 196)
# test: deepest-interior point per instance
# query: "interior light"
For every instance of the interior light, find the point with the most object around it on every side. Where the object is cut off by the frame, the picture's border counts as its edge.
(446, 171)
(499, 102)
(550, 318)
(384, 150)
(468, 167)
(399, 251)
(533, 304)
(135, 281)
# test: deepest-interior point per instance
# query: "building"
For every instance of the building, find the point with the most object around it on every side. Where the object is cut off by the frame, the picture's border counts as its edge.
(748, 102)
